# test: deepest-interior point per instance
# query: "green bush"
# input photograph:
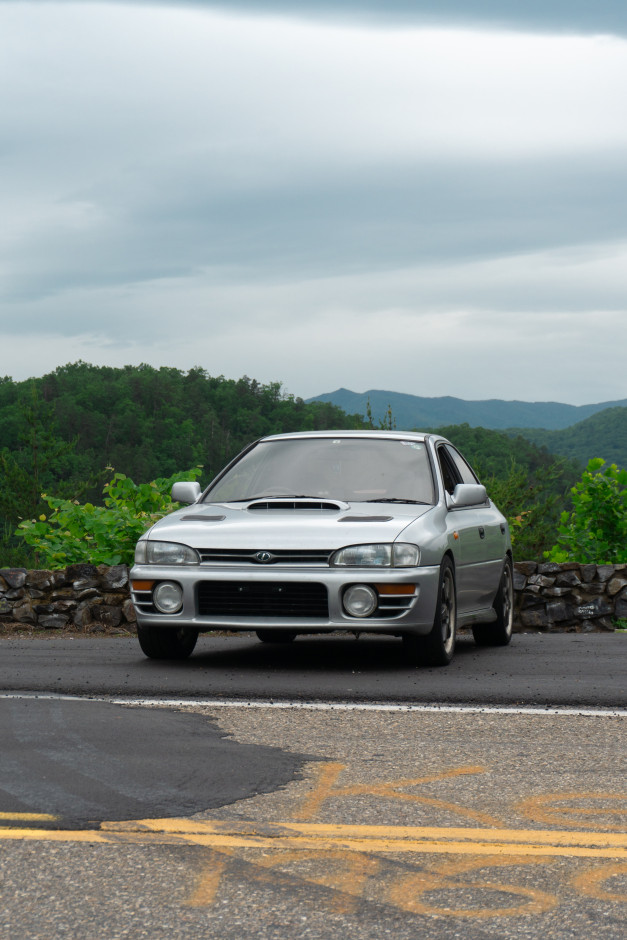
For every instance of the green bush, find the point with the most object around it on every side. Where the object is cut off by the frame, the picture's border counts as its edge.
(73, 532)
(595, 532)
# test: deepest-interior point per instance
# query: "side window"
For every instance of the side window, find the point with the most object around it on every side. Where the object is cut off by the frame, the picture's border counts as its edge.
(450, 474)
(465, 472)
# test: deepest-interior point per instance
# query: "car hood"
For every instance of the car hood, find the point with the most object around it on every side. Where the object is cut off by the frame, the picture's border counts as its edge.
(251, 526)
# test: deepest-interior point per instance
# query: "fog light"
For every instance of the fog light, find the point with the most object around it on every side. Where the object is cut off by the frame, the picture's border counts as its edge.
(360, 600)
(167, 597)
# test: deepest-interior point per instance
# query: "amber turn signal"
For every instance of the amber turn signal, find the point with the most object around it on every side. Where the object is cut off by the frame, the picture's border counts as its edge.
(396, 588)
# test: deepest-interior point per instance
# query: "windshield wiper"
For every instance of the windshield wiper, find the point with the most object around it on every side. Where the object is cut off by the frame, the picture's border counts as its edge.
(398, 499)
(250, 499)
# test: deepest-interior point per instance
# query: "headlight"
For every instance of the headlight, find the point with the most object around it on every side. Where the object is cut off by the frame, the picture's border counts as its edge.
(405, 555)
(164, 553)
(397, 555)
(364, 556)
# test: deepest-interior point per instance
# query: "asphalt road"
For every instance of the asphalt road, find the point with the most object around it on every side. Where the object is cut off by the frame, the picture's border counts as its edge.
(80, 762)
(218, 820)
(367, 824)
(561, 669)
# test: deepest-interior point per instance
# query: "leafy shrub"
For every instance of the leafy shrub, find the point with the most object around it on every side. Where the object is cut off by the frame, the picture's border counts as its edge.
(595, 532)
(75, 532)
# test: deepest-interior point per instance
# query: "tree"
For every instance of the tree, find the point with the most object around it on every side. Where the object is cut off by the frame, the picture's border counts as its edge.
(531, 505)
(40, 460)
(595, 532)
(386, 423)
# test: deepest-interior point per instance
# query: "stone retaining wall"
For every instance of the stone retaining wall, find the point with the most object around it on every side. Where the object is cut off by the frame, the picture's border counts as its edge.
(569, 597)
(92, 599)
(87, 598)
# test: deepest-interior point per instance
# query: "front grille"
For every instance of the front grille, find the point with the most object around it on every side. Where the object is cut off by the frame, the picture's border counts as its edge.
(249, 556)
(263, 599)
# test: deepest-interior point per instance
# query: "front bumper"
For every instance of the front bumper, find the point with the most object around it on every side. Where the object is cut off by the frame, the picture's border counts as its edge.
(301, 600)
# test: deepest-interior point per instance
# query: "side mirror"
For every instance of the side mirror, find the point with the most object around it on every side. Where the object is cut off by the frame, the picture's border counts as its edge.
(185, 492)
(467, 494)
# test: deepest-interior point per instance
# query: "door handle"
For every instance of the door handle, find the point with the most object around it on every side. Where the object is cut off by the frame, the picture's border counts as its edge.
(481, 532)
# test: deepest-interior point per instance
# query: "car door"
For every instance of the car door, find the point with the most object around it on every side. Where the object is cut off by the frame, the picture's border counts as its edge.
(479, 535)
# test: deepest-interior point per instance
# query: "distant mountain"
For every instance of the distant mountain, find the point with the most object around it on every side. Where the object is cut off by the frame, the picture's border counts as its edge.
(412, 411)
(602, 435)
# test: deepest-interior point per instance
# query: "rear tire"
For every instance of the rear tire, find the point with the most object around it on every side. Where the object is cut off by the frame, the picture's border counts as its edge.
(167, 642)
(275, 636)
(499, 633)
(438, 647)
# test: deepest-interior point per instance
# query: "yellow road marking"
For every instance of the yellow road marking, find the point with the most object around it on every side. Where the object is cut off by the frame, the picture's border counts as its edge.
(222, 834)
(28, 817)
(353, 877)
(590, 882)
(327, 788)
(557, 809)
(208, 884)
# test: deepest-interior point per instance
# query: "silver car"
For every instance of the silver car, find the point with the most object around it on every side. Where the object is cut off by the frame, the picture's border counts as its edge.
(361, 531)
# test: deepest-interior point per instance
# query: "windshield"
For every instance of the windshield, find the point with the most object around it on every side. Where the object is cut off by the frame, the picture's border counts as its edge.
(350, 469)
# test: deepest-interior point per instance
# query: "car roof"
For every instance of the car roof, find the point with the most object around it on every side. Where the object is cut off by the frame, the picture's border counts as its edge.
(380, 434)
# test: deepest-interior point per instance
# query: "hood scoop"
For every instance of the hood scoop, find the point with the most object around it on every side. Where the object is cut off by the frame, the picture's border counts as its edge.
(289, 505)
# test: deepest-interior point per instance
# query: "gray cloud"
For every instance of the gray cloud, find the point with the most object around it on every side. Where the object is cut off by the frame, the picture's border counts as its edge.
(541, 15)
(330, 223)
(567, 16)
(321, 202)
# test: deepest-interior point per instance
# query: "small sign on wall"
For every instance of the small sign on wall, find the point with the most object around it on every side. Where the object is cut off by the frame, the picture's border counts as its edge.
(586, 610)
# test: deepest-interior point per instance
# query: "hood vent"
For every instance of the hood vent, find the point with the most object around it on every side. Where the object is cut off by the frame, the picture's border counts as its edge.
(289, 505)
(201, 518)
(365, 519)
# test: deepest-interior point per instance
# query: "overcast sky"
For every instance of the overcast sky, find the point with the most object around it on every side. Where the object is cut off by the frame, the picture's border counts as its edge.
(361, 194)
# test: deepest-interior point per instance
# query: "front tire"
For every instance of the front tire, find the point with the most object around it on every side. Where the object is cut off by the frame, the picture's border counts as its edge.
(167, 642)
(438, 647)
(499, 633)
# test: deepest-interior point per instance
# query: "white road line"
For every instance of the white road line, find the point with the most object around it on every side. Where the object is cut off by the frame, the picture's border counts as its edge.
(532, 711)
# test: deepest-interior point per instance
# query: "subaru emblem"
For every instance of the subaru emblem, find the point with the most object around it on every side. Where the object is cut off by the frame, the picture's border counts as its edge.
(264, 557)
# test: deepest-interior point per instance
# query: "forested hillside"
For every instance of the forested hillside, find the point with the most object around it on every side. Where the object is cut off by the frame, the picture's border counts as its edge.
(602, 435)
(415, 411)
(149, 422)
(60, 432)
